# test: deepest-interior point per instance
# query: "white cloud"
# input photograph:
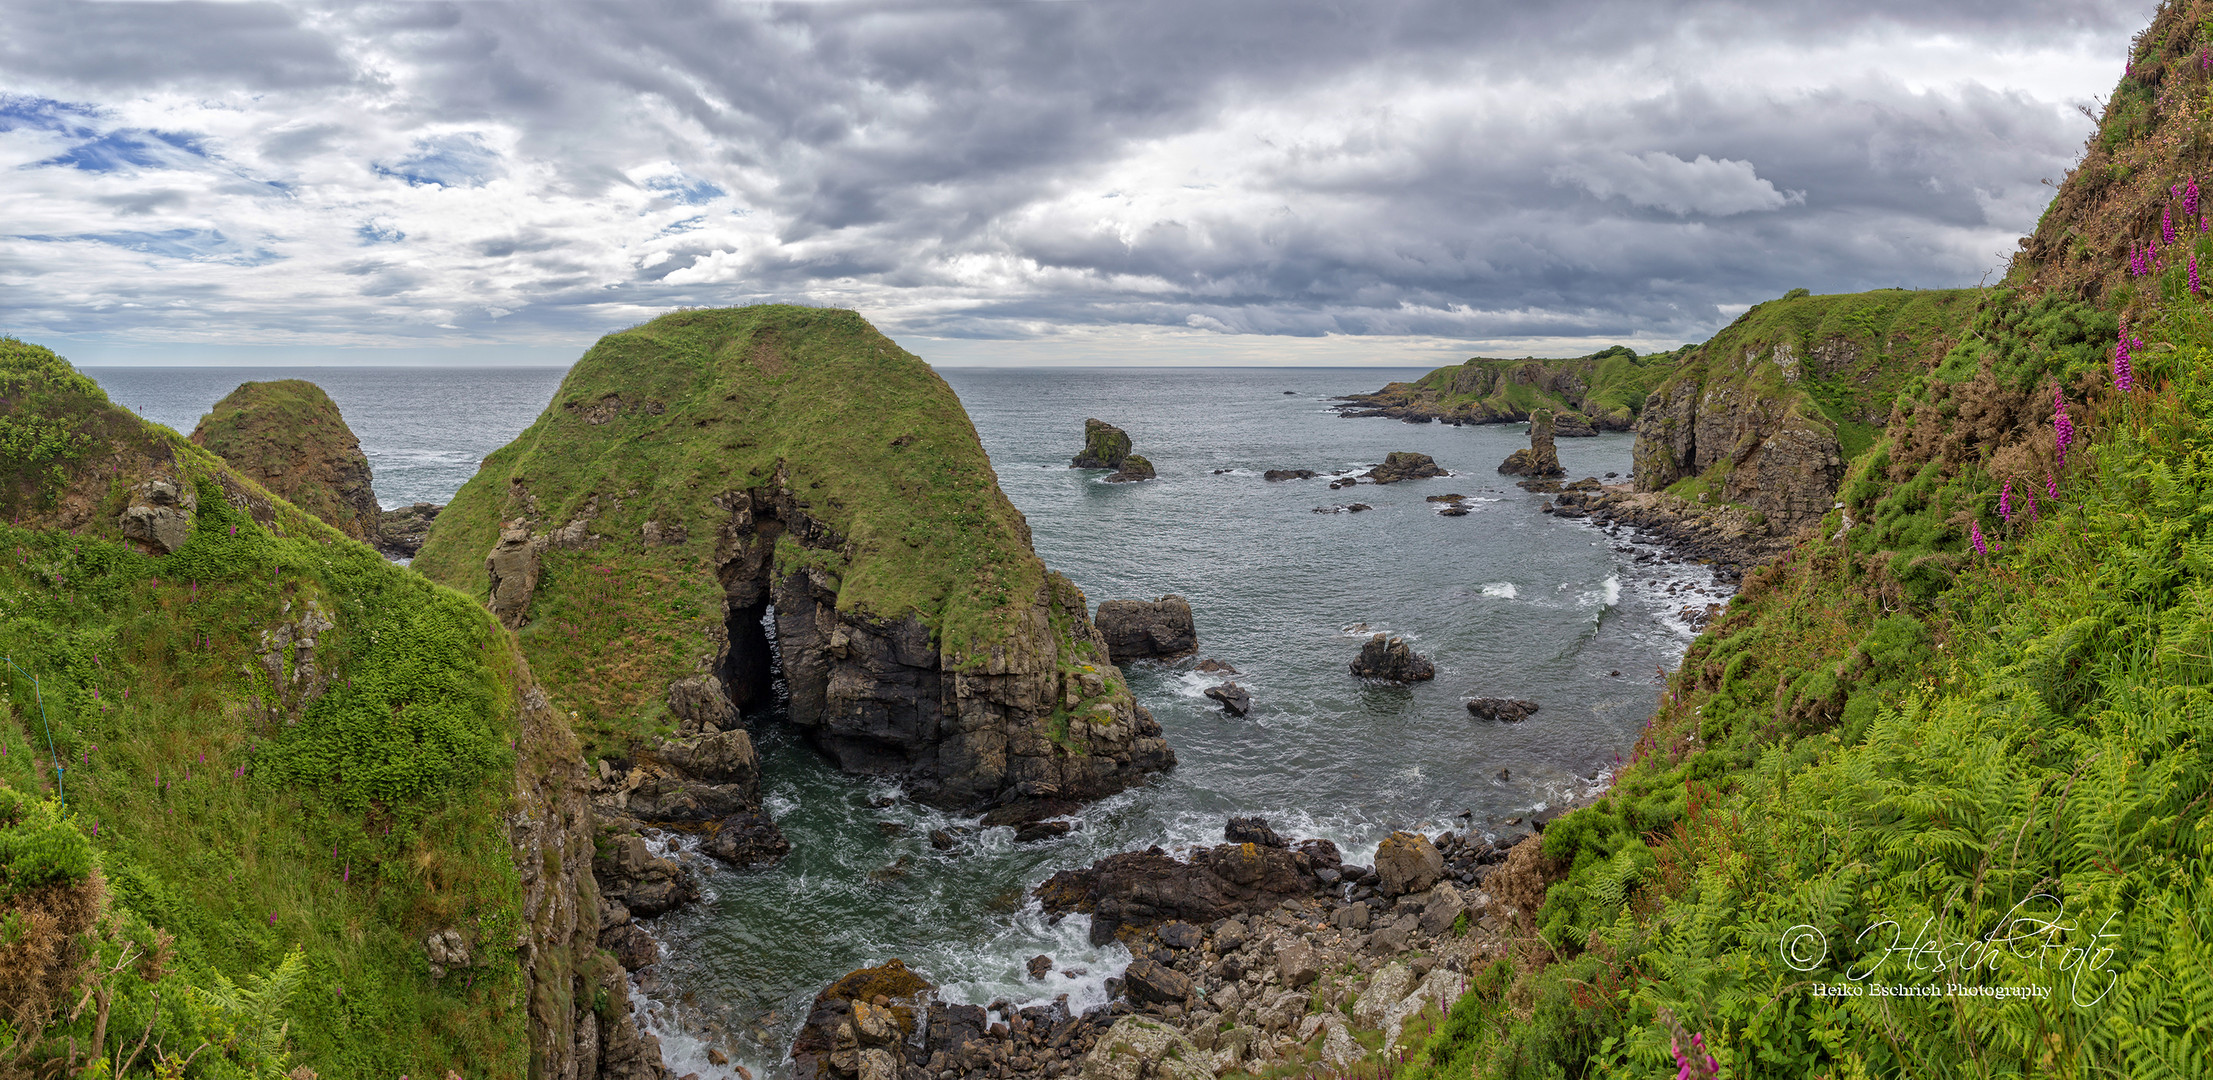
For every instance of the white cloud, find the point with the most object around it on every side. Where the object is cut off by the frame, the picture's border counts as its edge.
(1661, 181)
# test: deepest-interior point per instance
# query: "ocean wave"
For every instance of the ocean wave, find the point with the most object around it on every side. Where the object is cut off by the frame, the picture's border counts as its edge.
(1503, 590)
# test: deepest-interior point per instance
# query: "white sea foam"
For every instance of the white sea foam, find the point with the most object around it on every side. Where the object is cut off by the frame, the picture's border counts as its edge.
(1503, 590)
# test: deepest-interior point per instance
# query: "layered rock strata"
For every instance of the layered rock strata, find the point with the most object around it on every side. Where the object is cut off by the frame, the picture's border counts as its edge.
(1147, 629)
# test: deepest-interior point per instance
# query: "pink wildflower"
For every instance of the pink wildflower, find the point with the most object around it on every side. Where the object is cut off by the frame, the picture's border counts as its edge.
(2051, 485)
(2124, 376)
(2063, 428)
(2005, 502)
(1974, 532)
(2167, 224)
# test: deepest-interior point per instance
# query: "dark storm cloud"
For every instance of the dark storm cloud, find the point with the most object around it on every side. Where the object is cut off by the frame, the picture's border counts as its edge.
(1461, 170)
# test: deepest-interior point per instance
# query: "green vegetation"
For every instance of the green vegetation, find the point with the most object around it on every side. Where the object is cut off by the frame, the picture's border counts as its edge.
(659, 422)
(1607, 387)
(1889, 736)
(256, 838)
(288, 434)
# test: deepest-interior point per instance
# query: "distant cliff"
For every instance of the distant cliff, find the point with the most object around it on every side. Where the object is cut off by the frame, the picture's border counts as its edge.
(711, 474)
(1766, 414)
(1600, 392)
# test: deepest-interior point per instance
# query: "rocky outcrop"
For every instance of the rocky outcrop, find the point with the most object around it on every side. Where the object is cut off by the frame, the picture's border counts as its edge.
(1133, 468)
(159, 514)
(1104, 446)
(400, 532)
(1279, 475)
(1402, 465)
(783, 490)
(1731, 539)
(289, 436)
(1234, 698)
(1603, 391)
(1541, 459)
(1147, 629)
(1139, 889)
(708, 785)
(1391, 659)
(1509, 710)
(859, 1026)
(1770, 454)
(1407, 862)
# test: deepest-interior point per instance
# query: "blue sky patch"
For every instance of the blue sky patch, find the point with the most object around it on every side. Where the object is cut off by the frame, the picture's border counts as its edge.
(130, 148)
(446, 161)
(192, 245)
(684, 189)
(44, 114)
(377, 232)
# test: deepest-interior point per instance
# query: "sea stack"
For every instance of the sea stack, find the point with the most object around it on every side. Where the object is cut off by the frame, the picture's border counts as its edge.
(1392, 660)
(1540, 460)
(1108, 447)
(289, 436)
(1148, 629)
(710, 472)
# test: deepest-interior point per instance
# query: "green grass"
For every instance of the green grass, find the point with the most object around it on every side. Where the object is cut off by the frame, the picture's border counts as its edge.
(266, 428)
(697, 404)
(1888, 728)
(1615, 382)
(361, 821)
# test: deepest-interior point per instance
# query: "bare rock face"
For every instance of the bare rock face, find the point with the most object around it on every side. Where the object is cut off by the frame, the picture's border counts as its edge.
(290, 436)
(1147, 629)
(1392, 659)
(1782, 463)
(1403, 465)
(858, 1027)
(709, 785)
(1143, 888)
(1134, 468)
(1542, 459)
(513, 567)
(400, 532)
(159, 514)
(1407, 862)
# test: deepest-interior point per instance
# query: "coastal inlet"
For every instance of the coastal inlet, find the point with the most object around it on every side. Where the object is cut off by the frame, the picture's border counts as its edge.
(1507, 602)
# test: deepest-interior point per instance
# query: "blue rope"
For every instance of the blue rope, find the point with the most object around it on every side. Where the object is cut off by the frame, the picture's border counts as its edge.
(50, 751)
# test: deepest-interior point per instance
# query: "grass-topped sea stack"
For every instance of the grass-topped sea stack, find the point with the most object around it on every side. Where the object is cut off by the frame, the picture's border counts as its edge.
(1588, 394)
(289, 436)
(1108, 447)
(700, 472)
(317, 812)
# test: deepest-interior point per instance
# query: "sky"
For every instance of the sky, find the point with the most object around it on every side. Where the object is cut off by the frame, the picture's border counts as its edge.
(1105, 182)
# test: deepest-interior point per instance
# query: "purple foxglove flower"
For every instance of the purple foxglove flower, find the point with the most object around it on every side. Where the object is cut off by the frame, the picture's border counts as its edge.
(2063, 428)
(2005, 502)
(2167, 224)
(2124, 376)
(1974, 532)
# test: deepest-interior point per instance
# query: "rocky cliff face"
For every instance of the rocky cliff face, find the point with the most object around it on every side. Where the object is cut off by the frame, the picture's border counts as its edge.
(1766, 414)
(288, 435)
(1542, 458)
(733, 494)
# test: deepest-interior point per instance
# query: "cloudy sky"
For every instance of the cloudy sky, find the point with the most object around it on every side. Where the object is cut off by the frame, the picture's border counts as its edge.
(1353, 181)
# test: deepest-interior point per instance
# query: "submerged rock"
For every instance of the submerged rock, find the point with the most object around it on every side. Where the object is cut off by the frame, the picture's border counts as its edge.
(1541, 459)
(1147, 629)
(1211, 666)
(1233, 697)
(1289, 474)
(1402, 465)
(1393, 659)
(1134, 468)
(1509, 710)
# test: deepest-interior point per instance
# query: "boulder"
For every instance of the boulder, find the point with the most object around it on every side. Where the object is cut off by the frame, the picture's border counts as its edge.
(1211, 666)
(1040, 966)
(1510, 710)
(846, 1022)
(631, 875)
(1142, 1048)
(1147, 629)
(1392, 659)
(1234, 698)
(1104, 446)
(1134, 467)
(1401, 465)
(1406, 862)
(1298, 965)
(159, 514)
(1252, 830)
(1443, 909)
(1156, 983)
(1289, 474)
(1541, 459)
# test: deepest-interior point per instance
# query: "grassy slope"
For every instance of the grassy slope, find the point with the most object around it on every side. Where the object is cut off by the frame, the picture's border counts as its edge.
(258, 427)
(209, 819)
(1889, 726)
(874, 442)
(1618, 381)
(1897, 334)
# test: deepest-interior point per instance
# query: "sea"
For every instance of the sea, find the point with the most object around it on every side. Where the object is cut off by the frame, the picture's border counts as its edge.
(1506, 601)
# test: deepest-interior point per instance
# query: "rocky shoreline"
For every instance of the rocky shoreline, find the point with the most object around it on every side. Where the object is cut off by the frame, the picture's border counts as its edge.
(1253, 955)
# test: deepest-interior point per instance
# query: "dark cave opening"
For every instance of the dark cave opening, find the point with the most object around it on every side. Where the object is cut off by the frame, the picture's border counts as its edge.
(751, 669)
